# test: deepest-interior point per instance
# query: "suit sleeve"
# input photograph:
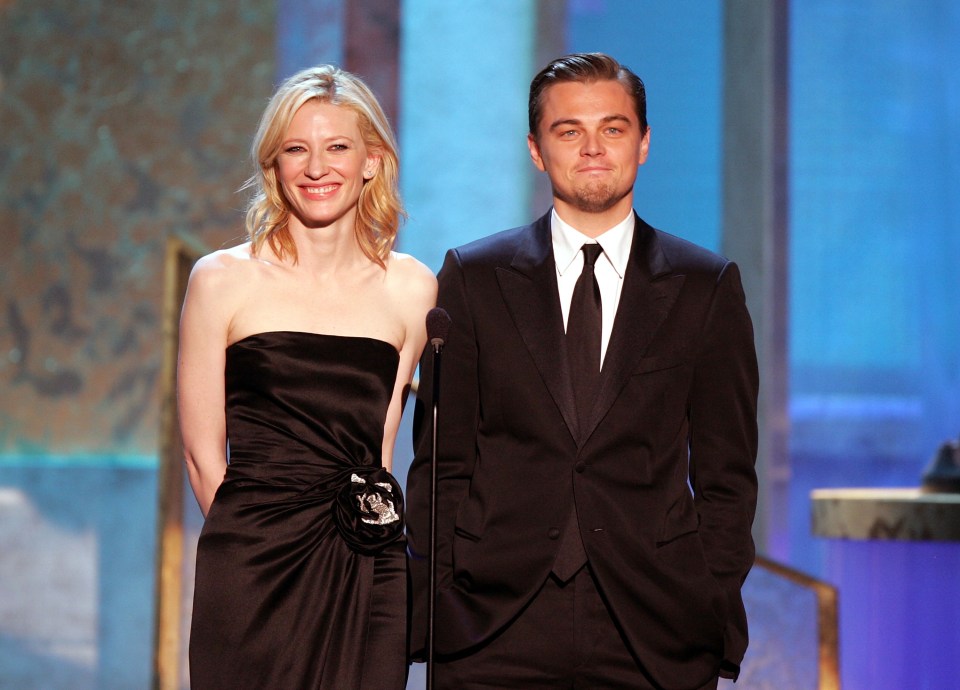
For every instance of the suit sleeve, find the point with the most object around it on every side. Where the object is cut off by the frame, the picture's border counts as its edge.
(723, 449)
(458, 418)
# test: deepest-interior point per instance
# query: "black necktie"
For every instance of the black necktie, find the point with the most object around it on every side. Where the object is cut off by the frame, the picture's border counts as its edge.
(583, 350)
(583, 335)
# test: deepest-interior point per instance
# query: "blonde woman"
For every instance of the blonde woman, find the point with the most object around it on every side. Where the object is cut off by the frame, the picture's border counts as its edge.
(296, 352)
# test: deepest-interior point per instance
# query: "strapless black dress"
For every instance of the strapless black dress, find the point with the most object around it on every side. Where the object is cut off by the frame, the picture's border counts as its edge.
(295, 588)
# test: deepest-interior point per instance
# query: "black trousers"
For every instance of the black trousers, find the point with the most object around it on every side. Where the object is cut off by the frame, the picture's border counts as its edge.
(564, 638)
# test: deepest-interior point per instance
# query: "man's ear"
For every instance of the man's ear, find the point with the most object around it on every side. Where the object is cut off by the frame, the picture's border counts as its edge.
(644, 147)
(535, 153)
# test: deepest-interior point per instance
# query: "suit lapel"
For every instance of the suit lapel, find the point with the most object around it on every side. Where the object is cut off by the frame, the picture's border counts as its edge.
(649, 292)
(529, 288)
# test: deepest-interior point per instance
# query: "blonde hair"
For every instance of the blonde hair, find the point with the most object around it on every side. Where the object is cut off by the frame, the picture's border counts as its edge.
(379, 208)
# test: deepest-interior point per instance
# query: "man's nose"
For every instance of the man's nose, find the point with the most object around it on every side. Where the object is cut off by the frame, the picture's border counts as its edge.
(592, 145)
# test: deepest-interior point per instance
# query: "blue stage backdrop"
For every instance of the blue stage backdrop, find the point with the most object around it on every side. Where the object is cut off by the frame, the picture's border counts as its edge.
(123, 122)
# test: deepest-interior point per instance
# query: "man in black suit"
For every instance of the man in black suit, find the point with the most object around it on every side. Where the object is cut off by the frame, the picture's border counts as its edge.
(597, 431)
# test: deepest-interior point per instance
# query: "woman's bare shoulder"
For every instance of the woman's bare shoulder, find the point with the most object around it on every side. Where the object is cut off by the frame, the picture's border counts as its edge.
(225, 267)
(411, 276)
(224, 260)
(413, 289)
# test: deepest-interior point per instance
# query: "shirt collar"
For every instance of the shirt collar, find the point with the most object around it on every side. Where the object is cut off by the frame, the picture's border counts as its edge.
(615, 243)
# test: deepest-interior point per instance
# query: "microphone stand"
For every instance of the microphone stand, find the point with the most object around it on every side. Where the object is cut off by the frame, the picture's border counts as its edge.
(431, 604)
(438, 324)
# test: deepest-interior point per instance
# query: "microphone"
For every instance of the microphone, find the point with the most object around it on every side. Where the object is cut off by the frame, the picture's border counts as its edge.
(438, 327)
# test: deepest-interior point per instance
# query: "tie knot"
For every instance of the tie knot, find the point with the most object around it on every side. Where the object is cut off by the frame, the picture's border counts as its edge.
(591, 252)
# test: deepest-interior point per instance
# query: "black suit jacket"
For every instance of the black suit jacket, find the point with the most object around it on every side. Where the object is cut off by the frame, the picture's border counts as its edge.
(676, 409)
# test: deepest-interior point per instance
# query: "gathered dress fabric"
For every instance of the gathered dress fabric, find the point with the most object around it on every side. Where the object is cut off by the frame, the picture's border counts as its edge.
(283, 599)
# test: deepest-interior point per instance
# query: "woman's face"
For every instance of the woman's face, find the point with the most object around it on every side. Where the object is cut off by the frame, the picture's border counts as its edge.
(323, 164)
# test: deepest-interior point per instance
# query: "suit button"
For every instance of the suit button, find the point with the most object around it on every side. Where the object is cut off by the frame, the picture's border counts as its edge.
(554, 533)
(580, 467)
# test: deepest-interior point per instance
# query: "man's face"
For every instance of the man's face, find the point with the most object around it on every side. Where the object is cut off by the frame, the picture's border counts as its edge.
(589, 143)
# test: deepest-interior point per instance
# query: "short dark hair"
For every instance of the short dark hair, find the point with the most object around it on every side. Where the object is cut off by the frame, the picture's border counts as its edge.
(586, 68)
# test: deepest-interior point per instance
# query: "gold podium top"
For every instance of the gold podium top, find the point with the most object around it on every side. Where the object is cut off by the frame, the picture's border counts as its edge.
(907, 514)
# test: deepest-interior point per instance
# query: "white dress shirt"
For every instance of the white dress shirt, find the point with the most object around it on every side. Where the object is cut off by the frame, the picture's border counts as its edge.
(609, 269)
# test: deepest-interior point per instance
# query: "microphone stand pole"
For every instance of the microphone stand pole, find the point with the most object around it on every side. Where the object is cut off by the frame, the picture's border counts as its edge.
(432, 581)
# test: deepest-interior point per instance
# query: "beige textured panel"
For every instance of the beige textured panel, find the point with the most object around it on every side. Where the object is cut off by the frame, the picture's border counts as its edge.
(122, 122)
